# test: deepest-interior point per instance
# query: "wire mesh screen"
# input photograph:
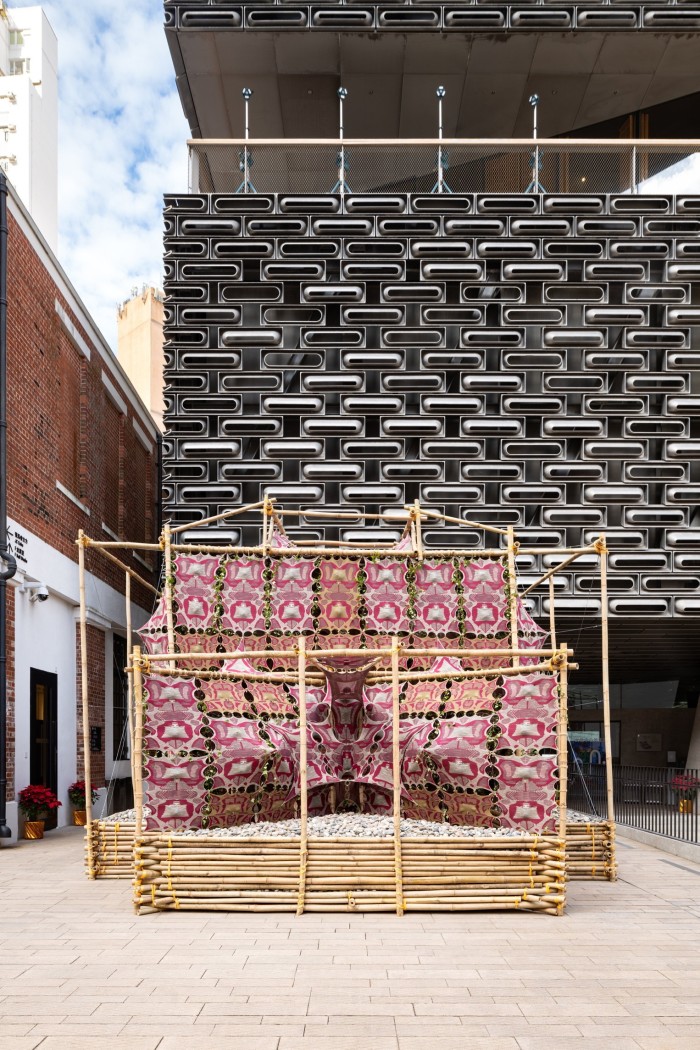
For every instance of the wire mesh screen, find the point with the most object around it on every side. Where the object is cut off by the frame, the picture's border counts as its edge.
(451, 166)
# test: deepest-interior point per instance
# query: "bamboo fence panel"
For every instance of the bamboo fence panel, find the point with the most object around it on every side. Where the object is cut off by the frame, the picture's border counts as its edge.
(352, 874)
(590, 850)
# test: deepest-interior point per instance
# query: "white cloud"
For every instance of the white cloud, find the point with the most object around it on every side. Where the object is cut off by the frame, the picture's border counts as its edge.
(121, 146)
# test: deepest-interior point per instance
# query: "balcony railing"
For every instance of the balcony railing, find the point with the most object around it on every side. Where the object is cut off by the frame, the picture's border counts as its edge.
(452, 166)
(659, 800)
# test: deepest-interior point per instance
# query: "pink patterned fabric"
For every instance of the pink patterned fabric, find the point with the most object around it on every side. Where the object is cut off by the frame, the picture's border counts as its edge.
(437, 597)
(241, 596)
(485, 597)
(339, 597)
(386, 595)
(479, 751)
(292, 596)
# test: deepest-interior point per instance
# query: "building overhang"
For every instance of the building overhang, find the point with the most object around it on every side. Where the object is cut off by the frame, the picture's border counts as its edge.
(582, 78)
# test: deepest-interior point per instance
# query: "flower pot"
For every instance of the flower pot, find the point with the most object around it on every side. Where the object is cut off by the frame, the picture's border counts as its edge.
(34, 829)
(685, 805)
(80, 817)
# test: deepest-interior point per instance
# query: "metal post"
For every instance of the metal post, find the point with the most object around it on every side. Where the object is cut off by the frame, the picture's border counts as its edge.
(535, 184)
(340, 186)
(441, 186)
(246, 160)
(633, 186)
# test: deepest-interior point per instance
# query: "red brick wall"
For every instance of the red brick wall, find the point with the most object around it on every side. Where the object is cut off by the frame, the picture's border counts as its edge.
(63, 426)
(96, 701)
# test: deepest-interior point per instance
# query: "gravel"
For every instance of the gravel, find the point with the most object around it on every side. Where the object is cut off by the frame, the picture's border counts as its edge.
(360, 825)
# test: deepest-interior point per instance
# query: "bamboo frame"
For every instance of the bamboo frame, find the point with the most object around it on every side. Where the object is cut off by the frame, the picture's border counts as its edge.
(396, 771)
(129, 672)
(169, 569)
(563, 741)
(322, 867)
(303, 778)
(138, 740)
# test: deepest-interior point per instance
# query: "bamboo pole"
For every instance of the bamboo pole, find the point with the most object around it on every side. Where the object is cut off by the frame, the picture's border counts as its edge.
(138, 741)
(219, 517)
(357, 651)
(85, 705)
(512, 593)
(602, 549)
(396, 771)
(463, 521)
(562, 565)
(303, 777)
(563, 742)
(130, 572)
(169, 571)
(129, 672)
(419, 533)
(552, 618)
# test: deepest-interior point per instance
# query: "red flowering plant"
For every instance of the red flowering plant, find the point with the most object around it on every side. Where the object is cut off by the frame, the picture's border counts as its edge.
(685, 785)
(37, 801)
(77, 794)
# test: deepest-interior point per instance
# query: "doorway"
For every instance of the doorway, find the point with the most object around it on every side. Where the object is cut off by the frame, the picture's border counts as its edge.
(43, 750)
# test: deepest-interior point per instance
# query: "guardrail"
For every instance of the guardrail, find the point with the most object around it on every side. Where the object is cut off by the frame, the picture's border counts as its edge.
(659, 800)
(351, 167)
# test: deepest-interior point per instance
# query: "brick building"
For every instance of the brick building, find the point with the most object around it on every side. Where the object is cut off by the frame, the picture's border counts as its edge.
(82, 454)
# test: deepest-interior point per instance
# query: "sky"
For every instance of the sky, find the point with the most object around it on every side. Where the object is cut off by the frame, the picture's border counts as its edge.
(121, 146)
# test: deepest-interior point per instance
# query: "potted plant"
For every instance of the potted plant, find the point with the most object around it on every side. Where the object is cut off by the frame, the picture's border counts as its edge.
(77, 793)
(685, 786)
(36, 802)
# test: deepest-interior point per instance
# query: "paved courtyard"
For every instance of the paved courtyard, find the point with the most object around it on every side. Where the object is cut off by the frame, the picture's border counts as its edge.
(78, 970)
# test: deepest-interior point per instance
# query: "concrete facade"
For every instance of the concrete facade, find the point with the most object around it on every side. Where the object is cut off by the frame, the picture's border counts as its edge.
(140, 346)
(29, 113)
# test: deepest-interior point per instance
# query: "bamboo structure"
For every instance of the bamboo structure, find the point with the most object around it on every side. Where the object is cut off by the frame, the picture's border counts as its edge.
(303, 777)
(563, 741)
(396, 771)
(303, 874)
(590, 850)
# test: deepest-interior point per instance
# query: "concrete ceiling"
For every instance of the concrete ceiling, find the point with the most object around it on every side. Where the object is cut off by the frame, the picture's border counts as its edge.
(581, 78)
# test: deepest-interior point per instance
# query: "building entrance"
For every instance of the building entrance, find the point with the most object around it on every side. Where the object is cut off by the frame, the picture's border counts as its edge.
(43, 754)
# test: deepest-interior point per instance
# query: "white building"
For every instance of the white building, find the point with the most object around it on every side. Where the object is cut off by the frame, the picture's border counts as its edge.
(29, 112)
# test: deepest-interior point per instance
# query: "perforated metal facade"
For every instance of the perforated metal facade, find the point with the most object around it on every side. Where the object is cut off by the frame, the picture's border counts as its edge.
(443, 16)
(519, 359)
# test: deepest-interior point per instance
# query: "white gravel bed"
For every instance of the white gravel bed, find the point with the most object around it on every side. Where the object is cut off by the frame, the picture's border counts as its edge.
(360, 825)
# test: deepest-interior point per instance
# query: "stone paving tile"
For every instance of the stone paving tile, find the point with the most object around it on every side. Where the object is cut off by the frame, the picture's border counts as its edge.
(620, 971)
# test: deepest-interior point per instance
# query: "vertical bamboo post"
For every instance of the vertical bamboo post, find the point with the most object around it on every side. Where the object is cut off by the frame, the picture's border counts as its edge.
(303, 777)
(137, 666)
(396, 772)
(512, 594)
(130, 672)
(136, 663)
(268, 526)
(419, 530)
(82, 544)
(169, 569)
(602, 548)
(563, 738)
(552, 618)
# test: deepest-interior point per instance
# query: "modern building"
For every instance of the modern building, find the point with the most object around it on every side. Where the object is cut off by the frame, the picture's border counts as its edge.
(140, 346)
(29, 113)
(507, 329)
(82, 454)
